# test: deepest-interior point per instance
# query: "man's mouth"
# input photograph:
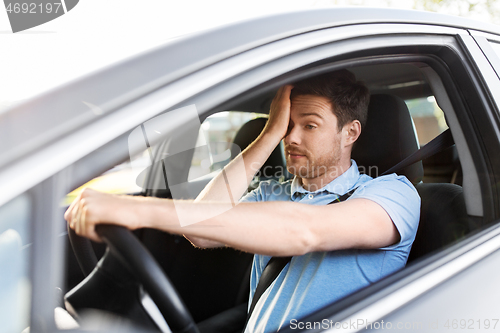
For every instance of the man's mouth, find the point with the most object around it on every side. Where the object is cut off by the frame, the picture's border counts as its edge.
(295, 155)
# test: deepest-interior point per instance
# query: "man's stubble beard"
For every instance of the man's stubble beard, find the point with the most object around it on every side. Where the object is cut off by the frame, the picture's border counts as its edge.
(317, 167)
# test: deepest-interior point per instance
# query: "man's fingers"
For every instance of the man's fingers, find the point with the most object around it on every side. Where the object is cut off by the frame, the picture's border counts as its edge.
(69, 212)
(82, 219)
(88, 226)
(279, 93)
(283, 95)
(287, 91)
(276, 98)
(74, 215)
(79, 217)
(279, 112)
(76, 218)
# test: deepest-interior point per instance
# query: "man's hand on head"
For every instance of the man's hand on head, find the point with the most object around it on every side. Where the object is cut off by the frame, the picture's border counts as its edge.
(279, 113)
(92, 207)
(241, 170)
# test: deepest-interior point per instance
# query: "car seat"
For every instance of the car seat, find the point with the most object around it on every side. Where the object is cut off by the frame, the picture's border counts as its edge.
(388, 138)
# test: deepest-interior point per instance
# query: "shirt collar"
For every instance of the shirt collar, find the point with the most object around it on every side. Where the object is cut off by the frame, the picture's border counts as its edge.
(340, 185)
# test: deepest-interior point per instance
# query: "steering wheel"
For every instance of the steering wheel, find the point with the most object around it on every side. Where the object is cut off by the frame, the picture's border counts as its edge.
(132, 254)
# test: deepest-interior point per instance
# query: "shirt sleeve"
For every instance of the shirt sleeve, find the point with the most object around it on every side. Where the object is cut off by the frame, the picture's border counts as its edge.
(252, 196)
(265, 192)
(399, 198)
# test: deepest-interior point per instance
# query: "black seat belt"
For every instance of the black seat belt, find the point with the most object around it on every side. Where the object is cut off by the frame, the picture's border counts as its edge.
(436, 145)
(276, 264)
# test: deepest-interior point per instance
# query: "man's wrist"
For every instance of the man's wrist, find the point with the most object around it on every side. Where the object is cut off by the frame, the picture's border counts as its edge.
(271, 138)
(140, 212)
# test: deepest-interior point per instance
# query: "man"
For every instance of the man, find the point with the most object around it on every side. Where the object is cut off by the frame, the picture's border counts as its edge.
(337, 248)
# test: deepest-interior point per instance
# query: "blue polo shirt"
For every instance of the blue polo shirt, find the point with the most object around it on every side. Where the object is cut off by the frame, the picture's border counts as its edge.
(314, 280)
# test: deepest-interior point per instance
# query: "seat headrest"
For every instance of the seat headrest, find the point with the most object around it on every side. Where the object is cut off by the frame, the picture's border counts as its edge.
(387, 138)
(275, 166)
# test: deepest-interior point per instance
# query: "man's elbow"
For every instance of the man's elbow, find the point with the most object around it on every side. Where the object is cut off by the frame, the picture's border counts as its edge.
(203, 243)
(307, 242)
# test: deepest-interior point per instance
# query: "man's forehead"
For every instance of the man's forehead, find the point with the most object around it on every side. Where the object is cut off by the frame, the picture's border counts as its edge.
(311, 103)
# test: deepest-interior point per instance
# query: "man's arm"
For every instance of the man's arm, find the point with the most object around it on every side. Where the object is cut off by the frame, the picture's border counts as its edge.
(250, 160)
(253, 157)
(268, 228)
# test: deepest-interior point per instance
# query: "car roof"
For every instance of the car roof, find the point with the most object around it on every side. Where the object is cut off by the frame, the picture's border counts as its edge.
(71, 106)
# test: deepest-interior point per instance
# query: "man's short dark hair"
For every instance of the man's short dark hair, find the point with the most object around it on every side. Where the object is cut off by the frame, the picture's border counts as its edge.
(349, 97)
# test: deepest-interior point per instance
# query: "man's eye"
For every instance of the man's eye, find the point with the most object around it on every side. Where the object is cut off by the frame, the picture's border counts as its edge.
(310, 126)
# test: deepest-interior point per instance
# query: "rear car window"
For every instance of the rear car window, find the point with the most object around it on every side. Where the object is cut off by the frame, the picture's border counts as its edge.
(219, 130)
(428, 118)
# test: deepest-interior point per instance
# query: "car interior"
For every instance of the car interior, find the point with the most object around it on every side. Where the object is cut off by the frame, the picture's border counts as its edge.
(403, 115)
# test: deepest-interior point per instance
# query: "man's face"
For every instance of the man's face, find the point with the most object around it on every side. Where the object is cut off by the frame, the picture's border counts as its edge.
(313, 142)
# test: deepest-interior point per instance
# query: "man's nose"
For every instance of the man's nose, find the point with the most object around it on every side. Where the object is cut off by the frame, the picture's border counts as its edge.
(292, 137)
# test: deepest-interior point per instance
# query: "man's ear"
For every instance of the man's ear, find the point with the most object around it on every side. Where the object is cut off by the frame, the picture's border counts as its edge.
(351, 132)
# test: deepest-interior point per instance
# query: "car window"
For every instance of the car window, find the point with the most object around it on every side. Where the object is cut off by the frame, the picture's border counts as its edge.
(15, 245)
(428, 118)
(217, 132)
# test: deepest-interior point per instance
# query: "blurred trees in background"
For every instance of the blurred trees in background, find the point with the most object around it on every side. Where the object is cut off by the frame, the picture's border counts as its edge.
(482, 10)
(487, 10)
